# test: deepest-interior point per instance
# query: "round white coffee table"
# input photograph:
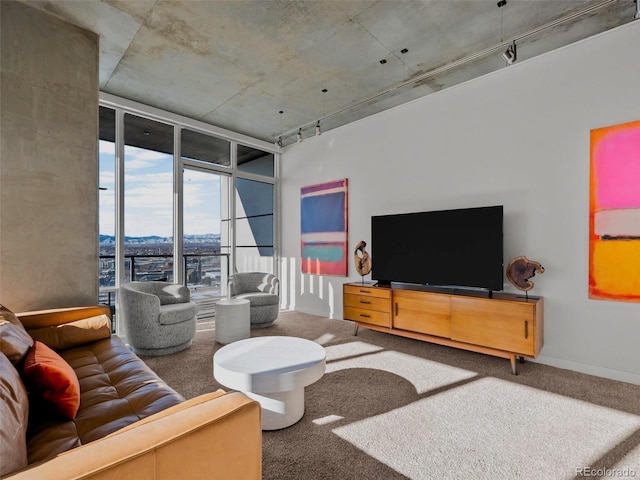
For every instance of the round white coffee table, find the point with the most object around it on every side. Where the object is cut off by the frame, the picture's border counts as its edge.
(273, 371)
(232, 320)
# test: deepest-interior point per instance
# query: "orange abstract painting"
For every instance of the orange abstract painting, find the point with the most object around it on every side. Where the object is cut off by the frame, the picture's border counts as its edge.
(614, 213)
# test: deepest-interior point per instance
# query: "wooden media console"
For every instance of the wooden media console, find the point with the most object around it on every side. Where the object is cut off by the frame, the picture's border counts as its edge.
(504, 325)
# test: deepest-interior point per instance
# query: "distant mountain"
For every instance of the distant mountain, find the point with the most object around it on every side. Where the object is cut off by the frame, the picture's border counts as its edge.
(155, 239)
(204, 238)
(107, 240)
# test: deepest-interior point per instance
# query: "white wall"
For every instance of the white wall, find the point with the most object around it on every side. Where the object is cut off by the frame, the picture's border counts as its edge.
(517, 137)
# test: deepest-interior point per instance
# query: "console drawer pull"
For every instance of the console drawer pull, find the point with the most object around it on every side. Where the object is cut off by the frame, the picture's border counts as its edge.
(365, 291)
(526, 329)
(366, 302)
(396, 308)
(365, 315)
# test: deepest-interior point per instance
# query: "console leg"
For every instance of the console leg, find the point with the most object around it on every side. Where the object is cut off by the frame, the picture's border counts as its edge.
(521, 359)
(355, 331)
(514, 368)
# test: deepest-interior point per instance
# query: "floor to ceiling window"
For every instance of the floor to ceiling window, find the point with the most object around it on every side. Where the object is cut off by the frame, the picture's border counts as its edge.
(148, 200)
(254, 208)
(254, 225)
(181, 203)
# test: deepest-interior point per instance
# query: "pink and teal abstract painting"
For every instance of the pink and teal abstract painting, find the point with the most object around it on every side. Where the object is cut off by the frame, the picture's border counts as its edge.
(323, 211)
(614, 213)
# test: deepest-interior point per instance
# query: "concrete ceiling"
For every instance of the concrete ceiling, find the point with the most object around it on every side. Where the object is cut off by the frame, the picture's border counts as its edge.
(237, 64)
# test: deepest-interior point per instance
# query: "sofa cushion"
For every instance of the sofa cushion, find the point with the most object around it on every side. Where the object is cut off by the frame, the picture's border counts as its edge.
(116, 390)
(73, 334)
(15, 342)
(52, 380)
(260, 299)
(177, 313)
(14, 412)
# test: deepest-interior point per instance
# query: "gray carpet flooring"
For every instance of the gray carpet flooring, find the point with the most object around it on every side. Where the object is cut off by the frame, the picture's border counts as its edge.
(396, 408)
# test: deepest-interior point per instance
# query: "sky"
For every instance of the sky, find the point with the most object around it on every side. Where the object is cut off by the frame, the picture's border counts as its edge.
(149, 194)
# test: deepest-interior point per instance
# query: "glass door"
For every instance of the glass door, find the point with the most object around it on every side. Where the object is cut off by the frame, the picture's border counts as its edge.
(206, 236)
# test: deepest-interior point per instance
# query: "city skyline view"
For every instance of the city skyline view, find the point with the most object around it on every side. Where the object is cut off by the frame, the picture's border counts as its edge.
(151, 258)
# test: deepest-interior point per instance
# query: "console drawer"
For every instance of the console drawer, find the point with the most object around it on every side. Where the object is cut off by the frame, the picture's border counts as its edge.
(368, 303)
(362, 315)
(367, 291)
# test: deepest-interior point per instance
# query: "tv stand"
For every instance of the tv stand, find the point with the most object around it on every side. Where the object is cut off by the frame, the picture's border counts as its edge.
(503, 324)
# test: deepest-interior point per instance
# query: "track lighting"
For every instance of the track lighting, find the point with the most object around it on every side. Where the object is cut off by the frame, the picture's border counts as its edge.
(278, 143)
(318, 129)
(510, 55)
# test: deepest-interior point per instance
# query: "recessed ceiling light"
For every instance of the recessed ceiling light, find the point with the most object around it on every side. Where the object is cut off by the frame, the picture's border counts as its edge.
(383, 61)
(404, 50)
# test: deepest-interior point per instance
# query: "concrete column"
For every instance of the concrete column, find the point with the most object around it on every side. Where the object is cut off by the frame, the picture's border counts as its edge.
(48, 161)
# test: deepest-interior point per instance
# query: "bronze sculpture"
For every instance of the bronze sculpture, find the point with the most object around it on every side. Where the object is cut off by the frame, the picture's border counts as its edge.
(520, 270)
(363, 264)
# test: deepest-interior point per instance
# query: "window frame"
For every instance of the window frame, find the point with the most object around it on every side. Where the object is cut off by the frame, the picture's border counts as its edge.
(123, 106)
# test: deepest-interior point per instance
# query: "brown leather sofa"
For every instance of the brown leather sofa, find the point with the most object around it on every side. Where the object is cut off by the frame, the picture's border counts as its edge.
(130, 424)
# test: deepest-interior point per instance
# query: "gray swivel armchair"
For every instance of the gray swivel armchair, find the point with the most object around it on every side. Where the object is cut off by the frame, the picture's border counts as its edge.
(159, 317)
(262, 291)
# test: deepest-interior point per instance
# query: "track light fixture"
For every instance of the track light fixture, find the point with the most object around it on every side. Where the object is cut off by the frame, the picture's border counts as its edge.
(300, 135)
(318, 129)
(510, 54)
(278, 143)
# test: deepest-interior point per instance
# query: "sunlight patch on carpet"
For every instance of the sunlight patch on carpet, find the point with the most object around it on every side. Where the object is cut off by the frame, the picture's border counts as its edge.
(492, 429)
(425, 375)
(350, 349)
(327, 419)
(324, 338)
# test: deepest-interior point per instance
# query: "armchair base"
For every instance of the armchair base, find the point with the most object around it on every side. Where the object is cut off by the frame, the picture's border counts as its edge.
(264, 316)
(151, 352)
(262, 291)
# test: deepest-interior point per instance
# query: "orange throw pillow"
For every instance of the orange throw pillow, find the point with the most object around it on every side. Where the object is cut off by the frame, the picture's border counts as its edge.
(52, 379)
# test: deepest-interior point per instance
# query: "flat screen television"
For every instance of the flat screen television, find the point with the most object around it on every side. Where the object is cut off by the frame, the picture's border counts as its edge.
(448, 248)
